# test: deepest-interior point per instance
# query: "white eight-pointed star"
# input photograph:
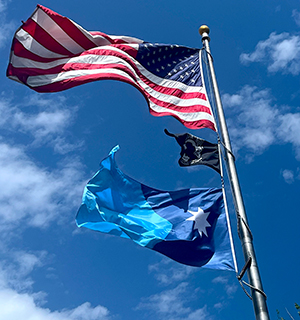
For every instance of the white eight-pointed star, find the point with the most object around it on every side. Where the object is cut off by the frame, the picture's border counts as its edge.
(200, 218)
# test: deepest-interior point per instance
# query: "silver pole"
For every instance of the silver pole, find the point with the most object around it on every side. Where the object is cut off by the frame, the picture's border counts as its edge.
(258, 296)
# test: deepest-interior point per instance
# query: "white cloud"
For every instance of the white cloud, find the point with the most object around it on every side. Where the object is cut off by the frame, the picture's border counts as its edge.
(253, 118)
(44, 123)
(289, 130)
(44, 119)
(35, 195)
(256, 122)
(14, 305)
(230, 288)
(220, 279)
(278, 8)
(86, 312)
(170, 304)
(168, 272)
(296, 16)
(288, 176)
(7, 28)
(2, 6)
(218, 305)
(199, 314)
(15, 267)
(28, 261)
(168, 301)
(280, 52)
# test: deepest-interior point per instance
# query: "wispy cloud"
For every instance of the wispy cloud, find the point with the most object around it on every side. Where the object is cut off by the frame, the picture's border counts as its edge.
(296, 16)
(288, 176)
(15, 267)
(256, 122)
(168, 272)
(18, 302)
(230, 288)
(25, 306)
(171, 305)
(34, 195)
(7, 28)
(280, 52)
(2, 6)
(43, 119)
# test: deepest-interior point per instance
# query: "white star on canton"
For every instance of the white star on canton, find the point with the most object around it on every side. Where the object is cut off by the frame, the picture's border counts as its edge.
(200, 218)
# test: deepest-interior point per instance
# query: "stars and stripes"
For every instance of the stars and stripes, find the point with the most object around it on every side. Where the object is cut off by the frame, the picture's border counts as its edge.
(51, 53)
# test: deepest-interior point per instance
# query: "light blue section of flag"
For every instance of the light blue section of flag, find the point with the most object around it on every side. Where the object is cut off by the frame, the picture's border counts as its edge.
(114, 203)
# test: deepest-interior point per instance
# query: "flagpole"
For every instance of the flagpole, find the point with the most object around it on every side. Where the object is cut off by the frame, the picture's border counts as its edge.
(255, 283)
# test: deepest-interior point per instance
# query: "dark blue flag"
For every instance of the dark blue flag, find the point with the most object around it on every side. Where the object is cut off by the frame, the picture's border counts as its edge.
(188, 225)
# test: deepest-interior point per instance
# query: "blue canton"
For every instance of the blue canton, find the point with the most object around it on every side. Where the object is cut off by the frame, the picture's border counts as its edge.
(171, 62)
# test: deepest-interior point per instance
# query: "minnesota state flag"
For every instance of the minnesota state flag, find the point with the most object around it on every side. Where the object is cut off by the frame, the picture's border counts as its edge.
(188, 225)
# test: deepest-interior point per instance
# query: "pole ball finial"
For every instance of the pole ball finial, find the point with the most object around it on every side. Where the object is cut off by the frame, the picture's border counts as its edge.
(203, 29)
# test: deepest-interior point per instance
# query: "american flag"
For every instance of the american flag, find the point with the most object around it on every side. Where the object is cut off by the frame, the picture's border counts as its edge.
(51, 53)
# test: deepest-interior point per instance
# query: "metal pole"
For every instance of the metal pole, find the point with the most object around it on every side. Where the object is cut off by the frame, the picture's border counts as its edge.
(258, 297)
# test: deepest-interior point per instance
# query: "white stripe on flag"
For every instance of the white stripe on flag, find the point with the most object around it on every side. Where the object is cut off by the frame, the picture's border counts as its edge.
(43, 80)
(29, 43)
(193, 116)
(127, 39)
(98, 40)
(56, 32)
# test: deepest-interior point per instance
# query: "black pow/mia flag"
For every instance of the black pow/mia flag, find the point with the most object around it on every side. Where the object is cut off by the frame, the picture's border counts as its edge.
(195, 150)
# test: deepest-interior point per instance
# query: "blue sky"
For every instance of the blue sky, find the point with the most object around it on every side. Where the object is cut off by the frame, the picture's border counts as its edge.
(51, 145)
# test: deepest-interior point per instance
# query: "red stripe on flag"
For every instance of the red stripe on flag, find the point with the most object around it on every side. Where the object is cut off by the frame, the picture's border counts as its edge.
(22, 52)
(106, 37)
(69, 28)
(125, 48)
(42, 37)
